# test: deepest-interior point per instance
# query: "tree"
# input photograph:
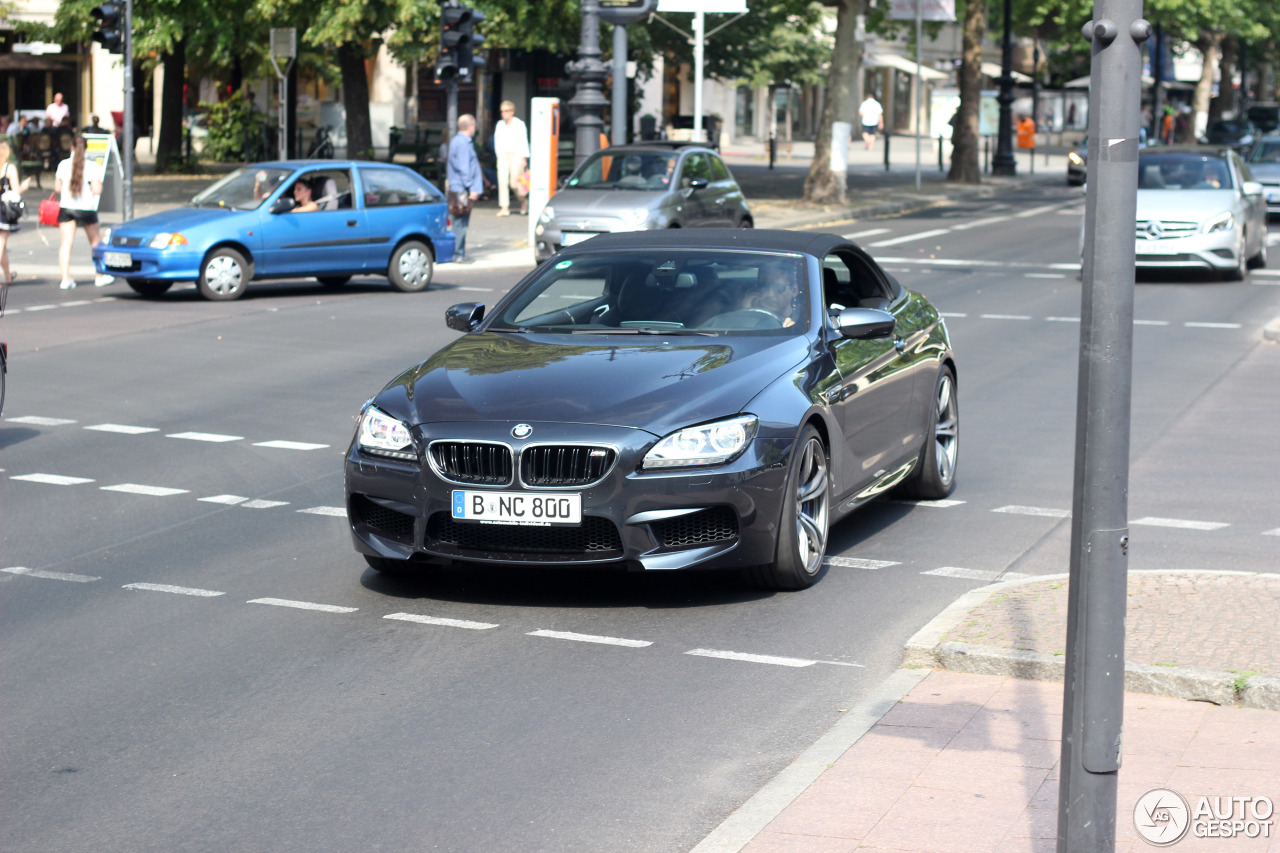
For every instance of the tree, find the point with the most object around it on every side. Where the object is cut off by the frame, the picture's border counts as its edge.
(821, 185)
(965, 167)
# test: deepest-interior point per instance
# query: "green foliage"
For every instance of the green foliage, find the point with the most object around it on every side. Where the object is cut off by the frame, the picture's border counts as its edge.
(774, 43)
(229, 124)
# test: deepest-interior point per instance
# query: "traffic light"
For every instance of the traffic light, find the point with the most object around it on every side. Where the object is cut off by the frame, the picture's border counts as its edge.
(458, 40)
(109, 34)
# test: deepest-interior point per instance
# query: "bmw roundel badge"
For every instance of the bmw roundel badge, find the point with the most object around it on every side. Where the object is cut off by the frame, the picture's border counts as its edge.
(521, 431)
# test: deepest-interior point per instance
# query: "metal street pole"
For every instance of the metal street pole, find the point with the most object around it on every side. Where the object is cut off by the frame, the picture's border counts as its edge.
(1004, 162)
(1093, 699)
(126, 156)
(619, 135)
(589, 73)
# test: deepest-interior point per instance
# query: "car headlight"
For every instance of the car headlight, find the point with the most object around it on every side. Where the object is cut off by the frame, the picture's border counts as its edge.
(709, 444)
(164, 239)
(639, 216)
(1075, 158)
(382, 435)
(1221, 222)
(548, 214)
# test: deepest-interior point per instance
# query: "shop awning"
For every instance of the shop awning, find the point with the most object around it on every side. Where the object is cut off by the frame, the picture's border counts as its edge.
(31, 62)
(992, 69)
(901, 63)
(1083, 83)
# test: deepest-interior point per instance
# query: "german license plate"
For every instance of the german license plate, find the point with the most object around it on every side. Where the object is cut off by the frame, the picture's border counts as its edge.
(530, 508)
(1156, 247)
(1273, 197)
(570, 238)
(117, 259)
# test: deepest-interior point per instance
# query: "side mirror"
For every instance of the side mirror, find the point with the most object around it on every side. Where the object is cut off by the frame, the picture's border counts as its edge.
(864, 323)
(698, 183)
(284, 204)
(464, 316)
(1251, 188)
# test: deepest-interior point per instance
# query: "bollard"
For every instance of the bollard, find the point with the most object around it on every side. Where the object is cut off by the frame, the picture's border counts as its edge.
(773, 149)
(886, 149)
(986, 155)
(940, 169)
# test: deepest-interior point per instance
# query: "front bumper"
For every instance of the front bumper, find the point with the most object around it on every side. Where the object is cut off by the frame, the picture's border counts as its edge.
(1218, 251)
(170, 264)
(722, 517)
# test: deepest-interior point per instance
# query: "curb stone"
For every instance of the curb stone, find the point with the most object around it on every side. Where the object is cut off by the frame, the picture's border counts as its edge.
(926, 650)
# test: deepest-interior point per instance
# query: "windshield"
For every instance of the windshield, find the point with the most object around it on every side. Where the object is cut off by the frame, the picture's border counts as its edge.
(1183, 172)
(1267, 151)
(667, 292)
(243, 189)
(633, 170)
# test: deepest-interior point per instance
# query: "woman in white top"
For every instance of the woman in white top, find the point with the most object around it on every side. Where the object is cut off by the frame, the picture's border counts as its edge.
(11, 189)
(78, 181)
(511, 144)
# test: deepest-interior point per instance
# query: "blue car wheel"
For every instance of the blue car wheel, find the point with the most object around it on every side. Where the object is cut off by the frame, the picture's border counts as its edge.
(223, 275)
(411, 266)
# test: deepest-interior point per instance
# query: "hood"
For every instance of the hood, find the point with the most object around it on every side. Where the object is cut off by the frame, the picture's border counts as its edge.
(607, 202)
(1267, 173)
(177, 219)
(1184, 205)
(651, 383)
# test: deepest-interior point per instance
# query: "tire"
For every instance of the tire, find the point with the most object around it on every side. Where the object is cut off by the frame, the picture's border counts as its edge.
(224, 275)
(803, 526)
(1259, 260)
(935, 475)
(333, 280)
(411, 265)
(746, 223)
(390, 566)
(148, 288)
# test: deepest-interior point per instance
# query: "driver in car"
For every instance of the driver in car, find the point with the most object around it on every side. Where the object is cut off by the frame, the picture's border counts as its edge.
(777, 292)
(302, 196)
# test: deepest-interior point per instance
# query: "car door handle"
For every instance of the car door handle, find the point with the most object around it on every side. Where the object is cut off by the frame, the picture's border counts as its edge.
(900, 345)
(351, 223)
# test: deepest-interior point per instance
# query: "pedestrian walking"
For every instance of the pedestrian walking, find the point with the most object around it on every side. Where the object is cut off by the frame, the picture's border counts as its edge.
(11, 189)
(78, 181)
(871, 114)
(511, 145)
(465, 183)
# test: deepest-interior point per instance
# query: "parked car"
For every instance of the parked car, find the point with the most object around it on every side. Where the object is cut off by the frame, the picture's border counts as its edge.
(1199, 207)
(663, 400)
(1264, 163)
(1235, 132)
(373, 219)
(641, 187)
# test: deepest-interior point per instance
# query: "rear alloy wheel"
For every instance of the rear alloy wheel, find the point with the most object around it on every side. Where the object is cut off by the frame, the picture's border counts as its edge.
(802, 530)
(411, 266)
(333, 280)
(223, 275)
(935, 474)
(147, 287)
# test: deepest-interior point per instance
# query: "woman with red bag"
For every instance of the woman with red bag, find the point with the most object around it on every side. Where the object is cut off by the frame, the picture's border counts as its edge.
(79, 183)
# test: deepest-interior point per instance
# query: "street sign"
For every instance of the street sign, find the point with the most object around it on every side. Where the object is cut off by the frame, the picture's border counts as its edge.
(930, 10)
(284, 42)
(624, 12)
(730, 7)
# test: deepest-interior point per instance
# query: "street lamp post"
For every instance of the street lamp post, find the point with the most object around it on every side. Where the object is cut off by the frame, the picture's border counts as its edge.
(589, 72)
(1004, 163)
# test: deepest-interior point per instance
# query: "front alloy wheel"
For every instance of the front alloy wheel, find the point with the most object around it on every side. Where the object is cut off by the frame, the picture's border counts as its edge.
(223, 275)
(802, 533)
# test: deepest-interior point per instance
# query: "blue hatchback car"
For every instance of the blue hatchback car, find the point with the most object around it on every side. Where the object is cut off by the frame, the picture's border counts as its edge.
(329, 219)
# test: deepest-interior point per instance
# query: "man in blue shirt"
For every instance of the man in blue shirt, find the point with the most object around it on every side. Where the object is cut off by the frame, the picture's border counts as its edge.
(466, 179)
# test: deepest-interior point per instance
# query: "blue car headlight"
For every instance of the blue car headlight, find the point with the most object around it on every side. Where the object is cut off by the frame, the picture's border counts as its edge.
(165, 239)
(379, 434)
(707, 444)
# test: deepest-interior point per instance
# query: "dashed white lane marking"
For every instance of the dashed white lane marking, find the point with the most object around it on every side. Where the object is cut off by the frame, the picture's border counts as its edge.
(769, 659)
(53, 576)
(290, 445)
(951, 314)
(39, 307)
(476, 289)
(336, 511)
(907, 238)
(263, 504)
(441, 621)
(858, 563)
(1043, 512)
(229, 500)
(122, 428)
(176, 590)
(36, 420)
(1275, 532)
(863, 234)
(205, 436)
(52, 479)
(303, 605)
(978, 223)
(1005, 316)
(136, 489)
(1182, 524)
(1044, 275)
(1150, 322)
(972, 574)
(1063, 319)
(591, 638)
(942, 504)
(1213, 325)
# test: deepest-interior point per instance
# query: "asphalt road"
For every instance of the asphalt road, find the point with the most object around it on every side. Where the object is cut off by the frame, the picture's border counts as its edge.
(193, 657)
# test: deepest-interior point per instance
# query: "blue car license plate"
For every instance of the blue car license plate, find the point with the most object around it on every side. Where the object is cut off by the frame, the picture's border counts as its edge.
(117, 260)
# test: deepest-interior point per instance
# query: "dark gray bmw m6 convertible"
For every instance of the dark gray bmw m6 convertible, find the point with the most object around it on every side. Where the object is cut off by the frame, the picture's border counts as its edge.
(661, 400)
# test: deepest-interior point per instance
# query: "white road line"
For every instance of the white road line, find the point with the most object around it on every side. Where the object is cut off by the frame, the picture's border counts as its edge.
(1275, 532)
(1005, 317)
(229, 500)
(1267, 272)
(1043, 512)
(136, 489)
(1063, 319)
(907, 238)
(438, 620)
(1150, 322)
(861, 234)
(1036, 211)
(978, 223)
(1212, 325)
(290, 445)
(770, 659)
(39, 307)
(858, 563)
(52, 479)
(303, 605)
(177, 590)
(951, 314)
(263, 504)
(972, 574)
(53, 576)
(591, 638)
(1179, 523)
(942, 504)
(205, 436)
(476, 289)
(336, 511)
(36, 420)
(122, 428)
(1044, 275)
(952, 262)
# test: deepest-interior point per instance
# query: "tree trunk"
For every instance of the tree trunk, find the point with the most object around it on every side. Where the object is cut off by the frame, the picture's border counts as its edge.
(1210, 46)
(169, 146)
(1225, 103)
(822, 186)
(355, 98)
(965, 167)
